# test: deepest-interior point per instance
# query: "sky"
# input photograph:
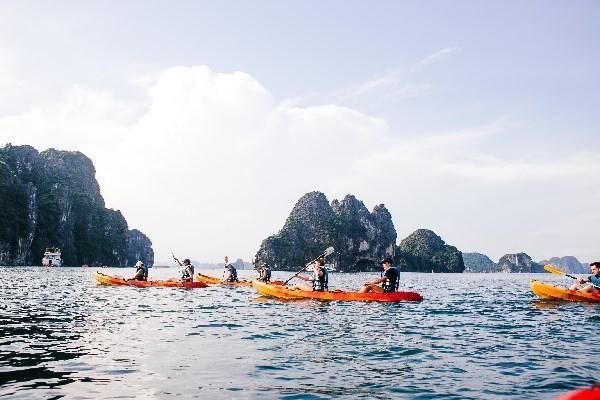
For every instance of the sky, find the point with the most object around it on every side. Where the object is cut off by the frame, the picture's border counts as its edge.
(208, 120)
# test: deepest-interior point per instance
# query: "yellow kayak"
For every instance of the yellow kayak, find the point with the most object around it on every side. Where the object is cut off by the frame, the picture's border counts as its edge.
(551, 292)
(211, 280)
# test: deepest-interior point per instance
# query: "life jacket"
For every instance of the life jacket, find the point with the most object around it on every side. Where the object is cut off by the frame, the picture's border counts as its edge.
(387, 285)
(186, 275)
(594, 280)
(320, 283)
(143, 277)
(265, 275)
(233, 277)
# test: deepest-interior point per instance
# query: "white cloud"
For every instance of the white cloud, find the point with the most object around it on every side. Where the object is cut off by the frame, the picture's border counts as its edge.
(213, 164)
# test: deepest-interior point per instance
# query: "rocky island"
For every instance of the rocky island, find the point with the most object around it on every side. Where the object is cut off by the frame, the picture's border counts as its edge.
(360, 237)
(52, 199)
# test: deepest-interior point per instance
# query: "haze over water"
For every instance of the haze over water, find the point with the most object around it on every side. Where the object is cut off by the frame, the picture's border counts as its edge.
(473, 337)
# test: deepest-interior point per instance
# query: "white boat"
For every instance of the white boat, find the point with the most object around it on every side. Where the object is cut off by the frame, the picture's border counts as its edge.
(52, 257)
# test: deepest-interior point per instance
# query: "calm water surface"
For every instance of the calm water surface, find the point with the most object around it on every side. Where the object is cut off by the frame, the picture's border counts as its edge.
(473, 337)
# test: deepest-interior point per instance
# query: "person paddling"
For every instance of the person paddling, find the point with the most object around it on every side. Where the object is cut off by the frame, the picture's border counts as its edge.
(264, 273)
(389, 281)
(592, 280)
(319, 279)
(230, 273)
(187, 275)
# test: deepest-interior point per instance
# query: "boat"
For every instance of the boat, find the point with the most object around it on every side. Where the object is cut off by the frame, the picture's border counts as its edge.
(283, 292)
(104, 279)
(52, 257)
(592, 393)
(551, 292)
(211, 280)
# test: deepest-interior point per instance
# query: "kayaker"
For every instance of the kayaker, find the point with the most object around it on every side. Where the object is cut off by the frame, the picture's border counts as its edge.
(230, 273)
(389, 281)
(593, 281)
(319, 279)
(187, 275)
(141, 273)
(264, 273)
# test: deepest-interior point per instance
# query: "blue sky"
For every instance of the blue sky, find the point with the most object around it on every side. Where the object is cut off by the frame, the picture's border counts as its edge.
(481, 115)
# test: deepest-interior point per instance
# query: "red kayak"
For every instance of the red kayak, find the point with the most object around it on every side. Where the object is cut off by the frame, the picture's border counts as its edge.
(582, 394)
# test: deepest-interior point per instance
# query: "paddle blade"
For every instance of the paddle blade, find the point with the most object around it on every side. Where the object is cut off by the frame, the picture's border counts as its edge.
(553, 270)
(329, 251)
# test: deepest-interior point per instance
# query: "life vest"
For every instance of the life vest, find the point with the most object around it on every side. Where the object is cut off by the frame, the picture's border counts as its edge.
(320, 282)
(143, 277)
(265, 275)
(233, 277)
(387, 285)
(594, 280)
(186, 276)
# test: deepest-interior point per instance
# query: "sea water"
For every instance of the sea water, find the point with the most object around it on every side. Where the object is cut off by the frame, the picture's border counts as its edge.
(475, 336)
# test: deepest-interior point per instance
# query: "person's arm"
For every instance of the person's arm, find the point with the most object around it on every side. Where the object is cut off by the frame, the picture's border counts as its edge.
(304, 278)
(377, 281)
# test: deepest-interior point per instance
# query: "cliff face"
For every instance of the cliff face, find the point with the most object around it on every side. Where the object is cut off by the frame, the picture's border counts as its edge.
(139, 247)
(359, 237)
(568, 264)
(424, 251)
(52, 199)
(477, 262)
(519, 263)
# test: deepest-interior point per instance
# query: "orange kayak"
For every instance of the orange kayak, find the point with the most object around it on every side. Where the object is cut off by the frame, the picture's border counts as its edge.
(113, 280)
(582, 394)
(283, 292)
(550, 292)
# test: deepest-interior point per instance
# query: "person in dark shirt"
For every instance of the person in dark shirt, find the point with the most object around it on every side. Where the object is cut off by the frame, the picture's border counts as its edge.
(387, 283)
(593, 281)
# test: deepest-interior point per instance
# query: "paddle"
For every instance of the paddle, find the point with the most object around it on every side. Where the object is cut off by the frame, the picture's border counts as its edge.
(554, 270)
(326, 253)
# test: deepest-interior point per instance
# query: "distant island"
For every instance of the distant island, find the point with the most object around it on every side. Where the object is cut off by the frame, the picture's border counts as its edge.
(519, 263)
(52, 199)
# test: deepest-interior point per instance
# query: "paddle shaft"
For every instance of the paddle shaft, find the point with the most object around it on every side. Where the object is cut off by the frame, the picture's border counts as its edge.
(304, 268)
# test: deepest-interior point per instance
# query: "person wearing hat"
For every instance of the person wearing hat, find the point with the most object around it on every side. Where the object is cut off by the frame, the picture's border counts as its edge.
(264, 273)
(187, 275)
(389, 281)
(141, 273)
(593, 280)
(230, 273)
(319, 279)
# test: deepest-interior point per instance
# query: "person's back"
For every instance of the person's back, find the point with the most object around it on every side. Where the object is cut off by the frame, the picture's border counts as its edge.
(230, 273)
(392, 280)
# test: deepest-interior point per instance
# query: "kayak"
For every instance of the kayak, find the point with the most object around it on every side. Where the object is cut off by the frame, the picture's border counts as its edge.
(550, 292)
(582, 394)
(118, 281)
(211, 280)
(283, 292)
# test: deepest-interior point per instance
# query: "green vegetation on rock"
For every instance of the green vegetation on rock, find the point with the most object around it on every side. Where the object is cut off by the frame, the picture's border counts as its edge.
(52, 199)
(424, 251)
